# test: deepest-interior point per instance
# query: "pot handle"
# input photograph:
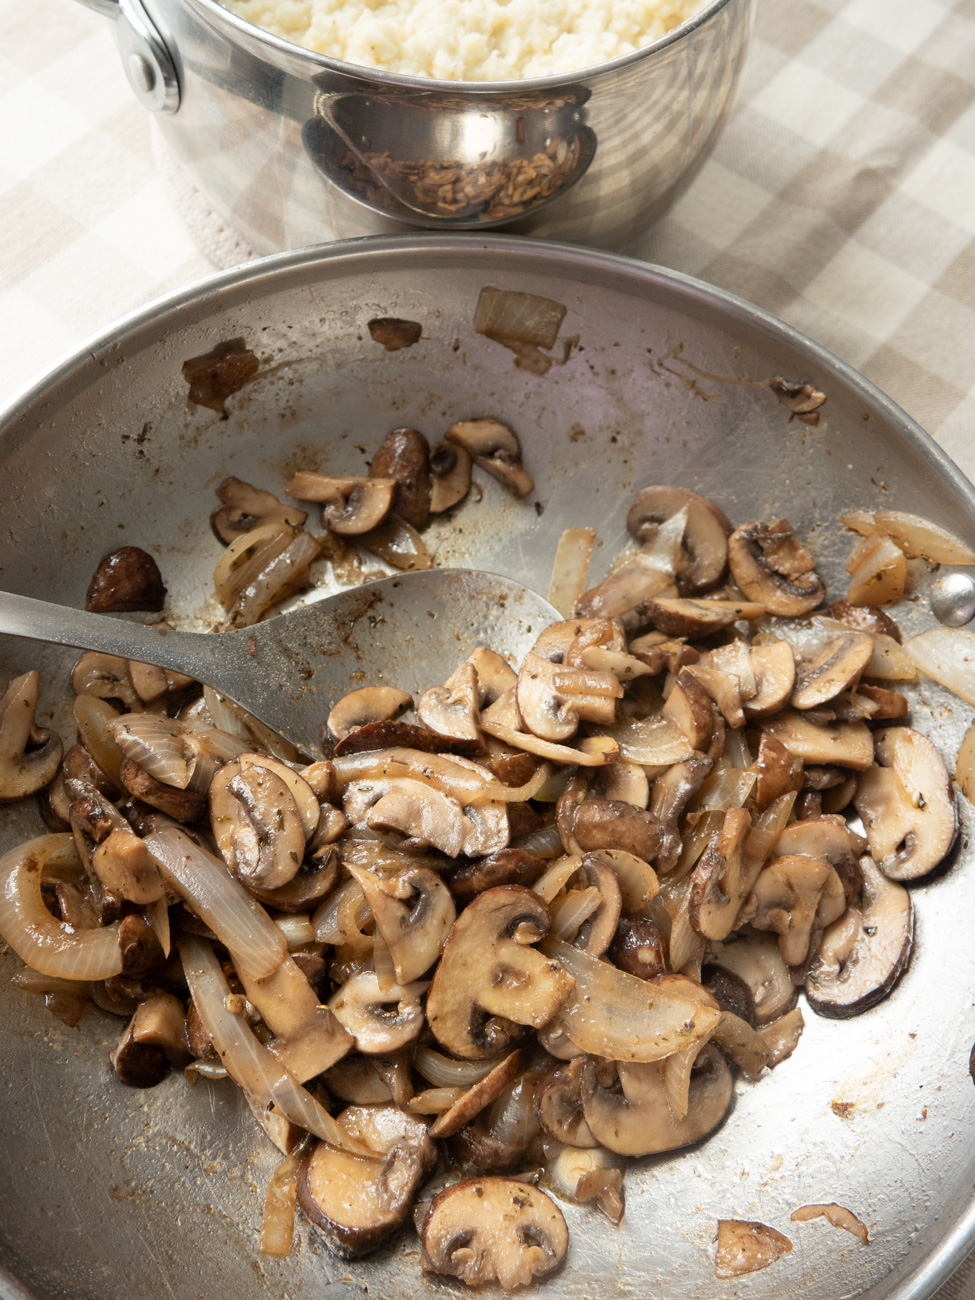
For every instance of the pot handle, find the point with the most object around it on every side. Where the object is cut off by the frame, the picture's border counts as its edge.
(148, 65)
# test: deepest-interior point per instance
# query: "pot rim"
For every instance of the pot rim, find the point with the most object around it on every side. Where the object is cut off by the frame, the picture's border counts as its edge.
(222, 17)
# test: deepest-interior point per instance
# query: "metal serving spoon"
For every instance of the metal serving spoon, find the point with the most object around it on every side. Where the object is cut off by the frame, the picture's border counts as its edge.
(410, 631)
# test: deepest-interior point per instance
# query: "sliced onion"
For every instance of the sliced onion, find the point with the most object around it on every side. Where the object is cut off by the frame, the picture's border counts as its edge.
(742, 1043)
(555, 878)
(695, 841)
(948, 655)
(623, 590)
(637, 879)
(237, 919)
(676, 1071)
(620, 1016)
(338, 919)
(259, 568)
(435, 1101)
(761, 839)
(781, 1037)
(443, 1072)
(155, 743)
(297, 930)
(93, 717)
(651, 742)
(597, 757)
(256, 1070)
(67, 999)
(965, 765)
(544, 843)
(512, 1121)
(736, 749)
(398, 543)
(278, 1219)
(382, 963)
(915, 536)
(889, 661)
(44, 943)
(570, 568)
(157, 914)
(685, 945)
(726, 787)
(570, 911)
(509, 316)
(231, 719)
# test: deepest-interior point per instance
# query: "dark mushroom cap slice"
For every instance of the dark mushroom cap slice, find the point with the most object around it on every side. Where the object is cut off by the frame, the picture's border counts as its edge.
(559, 1106)
(638, 1120)
(614, 824)
(865, 952)
(771, 566)
(757, 960)
(126, 579)
(686, 617)
(690, 707)
(404, 455)
(350, 506)
(493, 1230)
(490, 981)
(182, 805)
(638, 947)
(356, 1201)
(704, 546)
(309, 886)
(506, 867)
(865, 618)
(907, 805)
(29, 756)
(450, 473)
(717, 884)
(367, 705)
(777, 771)
(496, 449)
(477, 1097)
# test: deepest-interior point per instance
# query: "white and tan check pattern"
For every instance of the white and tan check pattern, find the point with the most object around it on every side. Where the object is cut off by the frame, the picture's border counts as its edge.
(841, 197)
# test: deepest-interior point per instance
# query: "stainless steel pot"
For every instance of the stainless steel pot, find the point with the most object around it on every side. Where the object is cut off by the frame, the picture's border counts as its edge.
(112, 1194)
(294, 148)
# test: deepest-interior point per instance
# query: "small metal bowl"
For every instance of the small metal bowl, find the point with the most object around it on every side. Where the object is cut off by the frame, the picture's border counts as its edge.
(295, 148)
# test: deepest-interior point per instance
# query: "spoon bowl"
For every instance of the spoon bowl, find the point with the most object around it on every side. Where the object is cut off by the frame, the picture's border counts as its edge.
(409, 631)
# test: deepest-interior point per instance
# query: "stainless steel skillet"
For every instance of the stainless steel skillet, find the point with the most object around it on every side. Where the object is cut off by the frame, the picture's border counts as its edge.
(109, 1193)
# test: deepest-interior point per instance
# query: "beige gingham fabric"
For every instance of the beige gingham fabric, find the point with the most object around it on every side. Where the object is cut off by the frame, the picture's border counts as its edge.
(841, 197)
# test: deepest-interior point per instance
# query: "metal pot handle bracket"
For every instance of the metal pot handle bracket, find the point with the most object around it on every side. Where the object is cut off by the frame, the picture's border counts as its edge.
(145, 58)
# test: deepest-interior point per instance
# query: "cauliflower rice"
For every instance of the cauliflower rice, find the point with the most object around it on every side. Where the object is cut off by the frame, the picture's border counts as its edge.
(469, 40)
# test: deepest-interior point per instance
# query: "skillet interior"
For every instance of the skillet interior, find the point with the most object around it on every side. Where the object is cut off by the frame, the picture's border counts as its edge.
(107, 1192)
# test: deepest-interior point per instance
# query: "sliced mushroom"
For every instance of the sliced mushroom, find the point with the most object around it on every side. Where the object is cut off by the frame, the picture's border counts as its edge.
(419, 811)
(596, 932)
(699, 617)
(350, 506)
(106, 677)
(638, 947)
(414, 912)
(611, 824)
(183, 805)
(29, 755)
(826, 837)
(506, 867)
(356, 1078)
(450, 472)
(126, 579)
(404, 455)
(774, 667)
(777, 771)
(704, 546)
(380, 1020)
(772, 567)
(792, 896)
(837, 666)
(140, 949)
(553, 698)
(452, 710)
(244, 508)
(730, 992)
(498, 1139)
(757, 960)
(865, 618)
(638, 1120)
(472, 1101)
(493, 1229)
(690, 707)
(392, 735)
(138, 1065)
(747, 1247)
(496, 449)
(126, 869)
(257, 825)
(367, 705)
(304, 796)
(672, 792)
(907, 805)
(490, 980)
(864, 953)
(845, 744)
(356, 1201)
(559, 1106)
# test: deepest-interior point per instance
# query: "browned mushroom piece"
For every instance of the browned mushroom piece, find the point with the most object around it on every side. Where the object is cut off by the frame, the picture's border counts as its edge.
(244, 508)
(506, 867)
(729, 991)
(493, 1230)
(394, 333)
(138, 1065)
(452, 710)
(126, 579)
(356, 1201)
(126, 869)
(756, 959)
(350, 506)
(866, 618)
(776, 772)
(672, 792)
(774, 667)
(219, 373)
(106, 677)
(747, 1247)
(382, 1020)
(357, 1079)
(450, 473)
(414, 912)
(718, 883)
(595, 934)
(29, 755)
(837, 665)
(704, 546)
(907, 805)
(612, 824)
(490, 981)
(690, 707)
(157, 1029)
(696, 618)
(559, 1106)
(477, 1097)
(391, 734)
(552, 698)
(139, 947)
(183, 805)
(888, 705)
(843, 744)
(827, 837)
(638, 947)
(638, 1120)
(367, 705)
(772, 567)
(864, 953)
(404, 455)
(496, 449)
(257, 824)
(498, 1139)
(794, 896)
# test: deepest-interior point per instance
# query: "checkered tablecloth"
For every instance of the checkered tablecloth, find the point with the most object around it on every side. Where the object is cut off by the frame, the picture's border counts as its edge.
(841, 197)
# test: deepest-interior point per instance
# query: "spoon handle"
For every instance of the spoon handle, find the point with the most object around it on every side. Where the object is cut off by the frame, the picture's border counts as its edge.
(193, 653)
